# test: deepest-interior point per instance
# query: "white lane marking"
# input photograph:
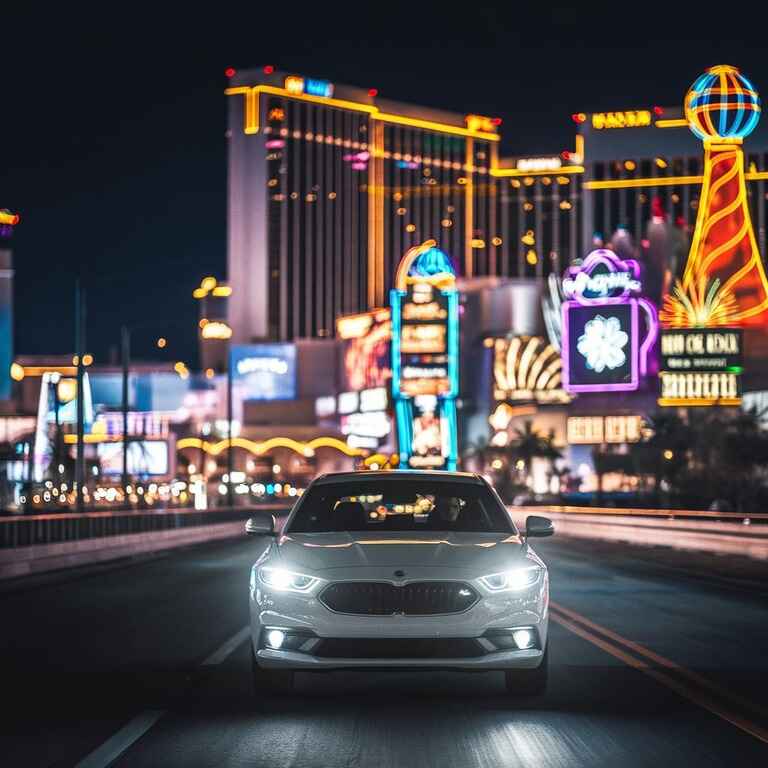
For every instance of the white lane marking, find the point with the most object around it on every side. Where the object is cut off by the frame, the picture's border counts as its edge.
(130, 733)
(114, 746)
(227, 648)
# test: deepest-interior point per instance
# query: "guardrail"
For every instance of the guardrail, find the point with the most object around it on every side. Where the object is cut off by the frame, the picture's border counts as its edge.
(734, 533)
(32, 530)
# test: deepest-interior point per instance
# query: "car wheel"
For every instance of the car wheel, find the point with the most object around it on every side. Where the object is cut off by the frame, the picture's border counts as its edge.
(270, 680)
(529, 682)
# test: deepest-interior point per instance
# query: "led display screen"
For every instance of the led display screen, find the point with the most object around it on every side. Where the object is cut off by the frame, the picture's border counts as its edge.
(601, 347)
(264, 371)
(145, 457)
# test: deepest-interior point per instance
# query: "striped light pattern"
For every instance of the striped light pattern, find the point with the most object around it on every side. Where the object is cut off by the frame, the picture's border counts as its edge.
(722, 105)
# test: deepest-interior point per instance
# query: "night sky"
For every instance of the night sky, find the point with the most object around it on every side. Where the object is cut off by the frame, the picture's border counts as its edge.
(113, 123)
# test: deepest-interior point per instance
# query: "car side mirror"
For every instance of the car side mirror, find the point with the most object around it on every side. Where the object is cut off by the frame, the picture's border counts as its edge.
(538, 526)
(263, 525)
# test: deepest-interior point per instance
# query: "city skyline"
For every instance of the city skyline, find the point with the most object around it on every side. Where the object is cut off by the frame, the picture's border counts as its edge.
(149, 237)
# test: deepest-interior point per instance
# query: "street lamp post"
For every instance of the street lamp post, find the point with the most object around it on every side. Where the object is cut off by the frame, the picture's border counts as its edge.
(230, 463)
(125, 339)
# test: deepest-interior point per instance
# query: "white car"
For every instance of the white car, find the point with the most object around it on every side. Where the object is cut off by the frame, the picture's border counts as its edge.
(402, 569)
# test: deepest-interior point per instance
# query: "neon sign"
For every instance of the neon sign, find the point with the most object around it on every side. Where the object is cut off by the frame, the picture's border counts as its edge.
(630, 118)
(606, 347)
(480, 123)
(298, 85)
(425, 353)
(539, 164)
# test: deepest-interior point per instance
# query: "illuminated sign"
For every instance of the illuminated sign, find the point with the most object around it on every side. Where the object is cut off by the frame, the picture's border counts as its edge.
(539, 164)
(216, 329)
(724, 281)
(348, 402)
(596, 430)
(145, 457)
(375, 399)
(701, 366)
(606, 342)
(480, 123)
(372, 424)
(264, 371)
(526, 368)
(425, 352)
(325, 406)
(630, 118)
(294, 84)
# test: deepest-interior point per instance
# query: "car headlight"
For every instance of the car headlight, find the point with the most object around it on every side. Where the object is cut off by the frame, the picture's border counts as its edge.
(512, 581)
(287, 581)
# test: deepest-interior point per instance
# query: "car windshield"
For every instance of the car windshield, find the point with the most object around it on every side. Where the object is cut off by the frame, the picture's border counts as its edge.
(400, 504)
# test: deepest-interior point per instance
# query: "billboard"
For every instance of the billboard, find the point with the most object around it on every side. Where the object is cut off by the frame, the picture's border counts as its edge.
(264, 371)
(145, 457)
(365, 358)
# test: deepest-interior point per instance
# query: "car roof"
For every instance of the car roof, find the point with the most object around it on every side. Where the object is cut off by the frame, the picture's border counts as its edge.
(437, 476)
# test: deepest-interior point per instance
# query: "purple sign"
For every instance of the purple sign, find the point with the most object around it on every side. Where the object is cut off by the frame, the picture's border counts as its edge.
(605, 344)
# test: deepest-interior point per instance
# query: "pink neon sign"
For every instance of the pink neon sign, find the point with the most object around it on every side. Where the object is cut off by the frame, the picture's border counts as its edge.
(602, 348)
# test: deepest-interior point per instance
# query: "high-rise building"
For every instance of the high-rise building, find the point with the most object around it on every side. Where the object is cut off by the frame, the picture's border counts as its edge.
(329, 185)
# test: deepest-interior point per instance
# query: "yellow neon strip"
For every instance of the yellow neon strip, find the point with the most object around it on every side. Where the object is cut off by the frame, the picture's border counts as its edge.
(90, 439)
(305, 449)
(432, 126)
(678, 122)
(39, 370)
(252, 117)
(663, 181)
(553, 172)
(694, 401)
(469, 216)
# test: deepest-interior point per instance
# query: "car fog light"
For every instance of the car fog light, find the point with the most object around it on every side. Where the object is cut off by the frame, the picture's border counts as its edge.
(275, 638)
(523, 638)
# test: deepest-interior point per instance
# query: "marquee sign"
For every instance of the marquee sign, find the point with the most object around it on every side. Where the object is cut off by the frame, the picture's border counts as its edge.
(701, 366)
(608, 329)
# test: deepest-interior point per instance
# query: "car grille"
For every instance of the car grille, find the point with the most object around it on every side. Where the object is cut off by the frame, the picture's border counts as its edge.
(398, 648)
(380, 598)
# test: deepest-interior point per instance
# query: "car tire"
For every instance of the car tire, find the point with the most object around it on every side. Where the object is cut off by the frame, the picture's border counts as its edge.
(270, 680)
(529, 682)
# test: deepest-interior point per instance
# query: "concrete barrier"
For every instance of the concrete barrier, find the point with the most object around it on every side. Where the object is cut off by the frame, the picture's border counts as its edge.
(679, 529)
(26, 561)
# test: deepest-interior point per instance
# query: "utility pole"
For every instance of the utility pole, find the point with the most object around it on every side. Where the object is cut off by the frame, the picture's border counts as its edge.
(125, 340)
(80, 352)
(230, 499)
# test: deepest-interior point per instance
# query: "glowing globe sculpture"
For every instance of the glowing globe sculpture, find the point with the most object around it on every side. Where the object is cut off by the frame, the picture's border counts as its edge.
(724, 283)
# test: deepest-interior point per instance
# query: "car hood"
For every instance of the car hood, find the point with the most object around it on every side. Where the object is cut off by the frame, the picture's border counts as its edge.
(481, 552)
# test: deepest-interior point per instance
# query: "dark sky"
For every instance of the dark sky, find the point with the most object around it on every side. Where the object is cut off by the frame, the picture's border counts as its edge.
(113, 122)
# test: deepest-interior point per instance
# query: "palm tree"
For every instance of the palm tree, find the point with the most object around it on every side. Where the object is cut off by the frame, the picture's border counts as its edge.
(528, 443)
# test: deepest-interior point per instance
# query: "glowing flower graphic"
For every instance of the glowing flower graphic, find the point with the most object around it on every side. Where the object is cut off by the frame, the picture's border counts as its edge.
(602, 343)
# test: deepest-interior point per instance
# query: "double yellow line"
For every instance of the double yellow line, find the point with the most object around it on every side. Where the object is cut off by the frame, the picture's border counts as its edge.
(690, 685)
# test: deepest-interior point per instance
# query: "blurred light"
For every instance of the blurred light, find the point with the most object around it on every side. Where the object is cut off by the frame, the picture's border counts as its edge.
(661, 162)
(209, 373)
(446, 223)
(269, 69)
(668, 455)
(528, 238)
(497, 464)
(565, 205)
(208, 283)
(658, 111)
(497, 121)
(229, 71)
(191, 469)
(216, 330)
(411, 228)
(17, 372)
(373, 92)
(497, 241)
(531, 257)
(520, 464)
(276, 468)
(630, 165)
(275, 637)
(161, 342)
(578, 117)
(565, 154)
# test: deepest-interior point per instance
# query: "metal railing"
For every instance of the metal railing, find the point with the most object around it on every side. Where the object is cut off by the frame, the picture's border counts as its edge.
(30, 530)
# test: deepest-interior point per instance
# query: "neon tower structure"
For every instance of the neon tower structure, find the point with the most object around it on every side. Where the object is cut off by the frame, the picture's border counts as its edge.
(724, 283)
(425, 358)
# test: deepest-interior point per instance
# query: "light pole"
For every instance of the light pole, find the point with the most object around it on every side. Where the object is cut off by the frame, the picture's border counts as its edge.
(230, 463)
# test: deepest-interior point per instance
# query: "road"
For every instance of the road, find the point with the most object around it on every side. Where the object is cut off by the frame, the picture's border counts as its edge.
(658, 659)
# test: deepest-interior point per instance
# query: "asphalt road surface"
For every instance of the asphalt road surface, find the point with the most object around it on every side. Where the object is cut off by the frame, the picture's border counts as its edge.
(657, 659)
